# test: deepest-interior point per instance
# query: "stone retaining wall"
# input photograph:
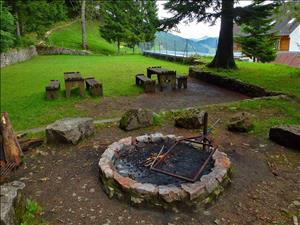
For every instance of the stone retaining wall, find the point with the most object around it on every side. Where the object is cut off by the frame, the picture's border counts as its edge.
(17, 55)
(231, 84)
(48, 50)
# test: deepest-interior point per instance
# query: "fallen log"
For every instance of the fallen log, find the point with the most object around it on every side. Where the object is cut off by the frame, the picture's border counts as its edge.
(27, 144)
(10, 145)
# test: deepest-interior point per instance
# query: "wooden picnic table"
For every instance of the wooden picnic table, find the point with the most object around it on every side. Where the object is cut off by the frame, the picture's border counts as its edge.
(73, 79)
(164, 76)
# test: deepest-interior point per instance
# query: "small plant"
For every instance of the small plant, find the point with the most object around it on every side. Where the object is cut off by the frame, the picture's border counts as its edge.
(157, 119)
(32, 214)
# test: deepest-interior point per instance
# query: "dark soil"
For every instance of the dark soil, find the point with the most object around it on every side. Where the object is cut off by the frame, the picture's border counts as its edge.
(184, 160)
(265, 187)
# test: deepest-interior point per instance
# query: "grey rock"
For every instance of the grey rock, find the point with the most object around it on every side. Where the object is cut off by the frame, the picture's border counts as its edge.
(288, 135)
(69, 130)
(241, 122)
(136, 118)
(12, 203)
(190, 120)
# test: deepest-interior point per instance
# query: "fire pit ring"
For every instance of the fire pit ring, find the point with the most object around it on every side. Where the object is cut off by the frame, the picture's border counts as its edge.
(168, 196)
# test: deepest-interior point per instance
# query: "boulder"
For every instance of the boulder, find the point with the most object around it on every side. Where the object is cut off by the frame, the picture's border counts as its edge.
(136, 118)
(241, 122)
(69, 130)
(190, 120)
(12, 203)
(288, 135)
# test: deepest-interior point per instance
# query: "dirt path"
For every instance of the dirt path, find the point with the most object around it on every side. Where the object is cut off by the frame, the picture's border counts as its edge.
(64, 180)
(197, 94)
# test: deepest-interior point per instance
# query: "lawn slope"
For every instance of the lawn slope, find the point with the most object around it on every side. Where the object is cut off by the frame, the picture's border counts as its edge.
(23, 84)
(70, 37)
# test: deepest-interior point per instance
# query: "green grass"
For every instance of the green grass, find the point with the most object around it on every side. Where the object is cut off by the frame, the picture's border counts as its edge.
(23, 84)
(32, 214)
(272, 77)
(70, 37)
(272, 112)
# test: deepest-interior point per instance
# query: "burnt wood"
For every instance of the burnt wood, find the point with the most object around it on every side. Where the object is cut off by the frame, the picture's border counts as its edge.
(94, 86)
(52, 89)
(145, 82)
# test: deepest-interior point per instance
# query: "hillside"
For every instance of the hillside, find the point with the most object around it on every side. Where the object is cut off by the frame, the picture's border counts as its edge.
(170, 41)
(70, 37)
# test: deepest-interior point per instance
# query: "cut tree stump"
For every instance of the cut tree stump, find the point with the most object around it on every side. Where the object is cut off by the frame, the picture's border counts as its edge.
(10, 145)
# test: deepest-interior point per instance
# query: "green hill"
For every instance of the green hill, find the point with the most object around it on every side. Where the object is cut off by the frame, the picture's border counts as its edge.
(70, 37)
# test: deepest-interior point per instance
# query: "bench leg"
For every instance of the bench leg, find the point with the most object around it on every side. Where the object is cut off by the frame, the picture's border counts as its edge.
(68, 89)
(173, 83)
(185, 84)
(81, 87)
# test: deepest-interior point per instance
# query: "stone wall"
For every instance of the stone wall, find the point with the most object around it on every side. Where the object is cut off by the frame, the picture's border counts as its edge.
(231, 84)
(47, 50)
(17, 55)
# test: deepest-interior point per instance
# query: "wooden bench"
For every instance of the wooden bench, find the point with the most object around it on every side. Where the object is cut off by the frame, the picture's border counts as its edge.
(181, 81)
(93, 86)
(52, 89)
(145, 82)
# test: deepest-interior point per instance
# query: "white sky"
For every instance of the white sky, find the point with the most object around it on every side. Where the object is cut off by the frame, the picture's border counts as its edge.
(193, 29)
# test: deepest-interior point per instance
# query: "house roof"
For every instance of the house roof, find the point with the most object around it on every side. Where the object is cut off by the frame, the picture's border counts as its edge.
(282, 28)
(286, 26)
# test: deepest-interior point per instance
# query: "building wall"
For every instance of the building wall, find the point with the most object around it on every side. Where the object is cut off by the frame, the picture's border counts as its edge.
(295, 40)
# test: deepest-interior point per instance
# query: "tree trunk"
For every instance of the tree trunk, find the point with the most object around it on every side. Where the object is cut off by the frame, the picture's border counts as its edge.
(224, 55)
(18, 30)
(133, 50)
(118, 46)
(10, 144)
(83, 25)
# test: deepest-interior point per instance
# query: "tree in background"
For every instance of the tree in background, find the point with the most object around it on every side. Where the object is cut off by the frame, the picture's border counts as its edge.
(131, 21)
(257, 40)
(289, 9)
(7, 28)
(210, 11)
(83, 25)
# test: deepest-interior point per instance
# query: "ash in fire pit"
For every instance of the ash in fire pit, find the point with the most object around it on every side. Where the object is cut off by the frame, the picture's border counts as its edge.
(135, 162)
(134, 170)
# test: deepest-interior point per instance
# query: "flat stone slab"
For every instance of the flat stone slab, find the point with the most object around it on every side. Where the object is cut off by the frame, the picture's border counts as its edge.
(12, 203)
(69, 130)
(287, 135)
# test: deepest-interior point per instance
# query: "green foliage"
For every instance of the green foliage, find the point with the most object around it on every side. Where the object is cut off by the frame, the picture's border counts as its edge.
(128, 21)
(7, 28)
(32, 214)
(24, 94)
(257, 41)
(290, 9)
(37, 16)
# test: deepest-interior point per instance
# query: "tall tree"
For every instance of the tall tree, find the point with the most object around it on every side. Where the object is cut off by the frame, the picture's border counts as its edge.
(257, 40)
(210, 11)
(83, 25)
(130, 21)
(289, 9)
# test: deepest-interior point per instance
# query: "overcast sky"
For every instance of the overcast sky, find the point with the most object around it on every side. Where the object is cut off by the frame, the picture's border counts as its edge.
(194, 30)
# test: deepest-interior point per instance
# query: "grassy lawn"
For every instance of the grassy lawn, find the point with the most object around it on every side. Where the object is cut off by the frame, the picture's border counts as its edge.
(273, 77)
(23, 84)
(70, 37)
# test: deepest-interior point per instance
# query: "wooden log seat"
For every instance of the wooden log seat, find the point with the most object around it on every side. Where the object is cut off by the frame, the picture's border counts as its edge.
(93, 86)
(181, 81)
(52, 89)
(145, 82)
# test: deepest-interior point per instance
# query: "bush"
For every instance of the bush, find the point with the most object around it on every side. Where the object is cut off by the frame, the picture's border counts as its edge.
(7, 28)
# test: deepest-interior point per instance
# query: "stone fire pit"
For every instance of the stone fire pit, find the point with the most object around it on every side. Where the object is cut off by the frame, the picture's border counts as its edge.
(125, 176)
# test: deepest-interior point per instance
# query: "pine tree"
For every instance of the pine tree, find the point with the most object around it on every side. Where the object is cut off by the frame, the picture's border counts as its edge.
(209, 11)
(257, 40)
